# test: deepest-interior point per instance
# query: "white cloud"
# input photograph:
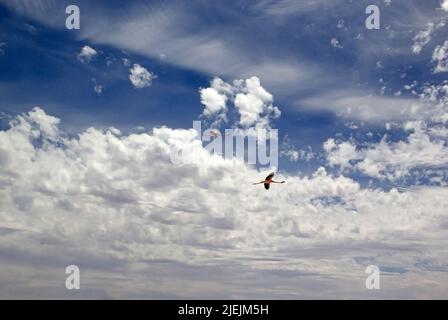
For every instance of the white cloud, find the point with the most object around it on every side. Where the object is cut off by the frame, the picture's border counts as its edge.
(87, 54)
(444, 5)
(115, 131)
(440, 56)
(214, 98)
(252, 102)
(293, 155)
(298, 155)
(98, 88)
(37, 124)
(203, 51)
(114, 204)
(367, 107)
(335, 43)
(282, 8)
(140, 77)
(422, 38)
(390, 160)
(213, 101)
(126, 62)
(288, 150)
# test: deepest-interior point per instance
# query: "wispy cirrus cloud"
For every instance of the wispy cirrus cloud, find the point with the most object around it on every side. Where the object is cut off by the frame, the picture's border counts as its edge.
(364, 106)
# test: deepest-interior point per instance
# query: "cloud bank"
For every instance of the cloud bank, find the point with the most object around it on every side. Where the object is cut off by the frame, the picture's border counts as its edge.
(114, 204)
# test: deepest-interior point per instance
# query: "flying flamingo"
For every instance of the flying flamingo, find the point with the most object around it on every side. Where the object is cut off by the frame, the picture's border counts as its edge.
(214, 133)
(268, 180)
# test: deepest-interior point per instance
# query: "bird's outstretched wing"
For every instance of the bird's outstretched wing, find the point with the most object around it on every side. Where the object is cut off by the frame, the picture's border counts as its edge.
(270, 176)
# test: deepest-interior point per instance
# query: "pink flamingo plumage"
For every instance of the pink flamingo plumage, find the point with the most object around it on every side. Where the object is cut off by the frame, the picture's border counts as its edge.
(268, 180)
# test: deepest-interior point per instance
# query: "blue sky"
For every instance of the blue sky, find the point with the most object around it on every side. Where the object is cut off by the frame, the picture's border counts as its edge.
(287, 45)
(362, 130)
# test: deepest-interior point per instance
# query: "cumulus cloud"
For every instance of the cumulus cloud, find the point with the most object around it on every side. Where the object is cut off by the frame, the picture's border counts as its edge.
(115, 203)
(140, 77)
(215, 97)
(440, 57)
(298, 155)
(390, 160)
(421, 157)
(213, 101)
(252, 102)
(444, 5)
(294, 154)
(335, 43)
(87, 54)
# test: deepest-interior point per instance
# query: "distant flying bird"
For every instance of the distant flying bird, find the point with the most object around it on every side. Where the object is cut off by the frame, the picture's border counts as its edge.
(268, 180)
(214, 133)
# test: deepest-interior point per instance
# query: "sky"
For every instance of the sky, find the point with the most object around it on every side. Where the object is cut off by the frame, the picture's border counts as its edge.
(89, 118)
